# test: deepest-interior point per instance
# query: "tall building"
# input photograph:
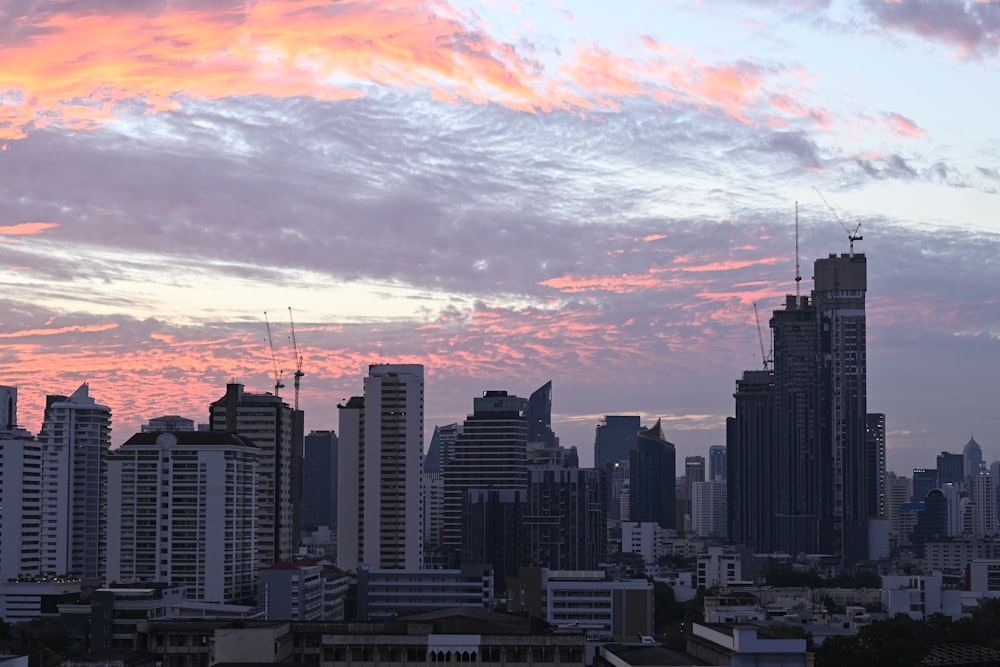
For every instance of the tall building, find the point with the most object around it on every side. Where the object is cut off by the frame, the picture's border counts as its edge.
(924, 481)
(717, 462)
(652, 467)
(380, 466)
(183, 509)
(319, 482)
(972, 458)
(950, 469)
(20, 493)
(876, 463)
(708, 508)
(694, 469)
(273, 426)
(566, 518)
(490, 453)
(898, 492)
(538, 413)
(615, 438)
(983, 490)
(817, 468)
(75, 438)
(749, 456)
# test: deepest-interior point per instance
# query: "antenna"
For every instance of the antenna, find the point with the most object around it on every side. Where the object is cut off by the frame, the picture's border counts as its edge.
(760, 337)
(274, 359)
(298, 358)
(798, 273)
(852, 235)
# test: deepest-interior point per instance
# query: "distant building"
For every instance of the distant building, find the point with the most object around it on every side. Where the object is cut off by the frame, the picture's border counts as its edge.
(651, 464)
(924, 480)
(708, 508)
(950, 469)
(718, 567)
(615, 439)
(566, 518)
(318, 504)
(898, 492)
(749, 489)
(538, 414)
(875, 468)
(379, 507)
(972, 459)
(184, 513)
(717, 462)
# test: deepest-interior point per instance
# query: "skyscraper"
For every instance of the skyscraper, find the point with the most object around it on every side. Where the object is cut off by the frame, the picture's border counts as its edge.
(652, 469)
(717, 462)
(490, 453)
(75, 438)
(750, 450)
(20, 493)
(270, 424)
(876, 464)
(817, 467)
(538, 414)
(950, 469)
(972, 457)
(379, 508)
(615, 438)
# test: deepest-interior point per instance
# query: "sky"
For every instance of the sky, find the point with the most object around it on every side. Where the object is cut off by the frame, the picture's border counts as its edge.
(593, 193)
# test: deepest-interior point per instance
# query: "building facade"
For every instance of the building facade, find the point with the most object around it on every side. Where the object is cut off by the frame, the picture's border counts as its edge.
(319, 482)
(184, 513)
(380, 468)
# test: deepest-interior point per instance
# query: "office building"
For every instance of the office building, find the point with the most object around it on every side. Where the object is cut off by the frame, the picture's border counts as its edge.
(184, 505)
(276, 429)
(538, 414)
(717, 462)
(898, 492)
(490, 453)
(950, 468)
(983, 491)
(319, 482)
(383, 593)
(75, 438)
(924, 481)
(972, 459)
(615, 438)
(652, 464)
(380, 467)
(292, 591)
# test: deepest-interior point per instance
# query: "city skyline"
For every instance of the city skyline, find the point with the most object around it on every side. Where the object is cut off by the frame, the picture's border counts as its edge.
(506, 193)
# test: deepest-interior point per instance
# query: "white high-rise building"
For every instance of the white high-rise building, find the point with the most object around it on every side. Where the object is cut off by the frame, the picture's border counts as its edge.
(270, 424)
(984, 508)
(20, 493)
(183, 513)
(380, 506)
(708, 508)
(75, 437)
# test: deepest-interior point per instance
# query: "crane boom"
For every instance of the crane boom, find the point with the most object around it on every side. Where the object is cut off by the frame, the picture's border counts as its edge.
(760, 337)
(852, 234)
(274, 359)
(298, 359)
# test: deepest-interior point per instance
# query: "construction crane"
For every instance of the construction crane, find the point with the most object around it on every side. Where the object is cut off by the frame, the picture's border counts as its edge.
(852, 235)
(274, 359)
(760, 337)
(298, 358)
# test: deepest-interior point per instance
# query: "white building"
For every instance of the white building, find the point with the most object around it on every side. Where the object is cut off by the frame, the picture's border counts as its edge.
(184, 513)
(708, 508)
(640, 538)
(717, 568)
(919, 597)
(380, 461)
(75, 437)
(20, 493)
(292, 591)
(984, 510)
(276, 430)
(984, 577)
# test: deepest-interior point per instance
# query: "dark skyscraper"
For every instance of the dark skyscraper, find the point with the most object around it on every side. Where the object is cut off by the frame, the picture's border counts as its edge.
(924, 480)
(538, 413)
(319, 481)
(876, 465)
(615, 438)
(950, 469)
(817, 464)
(652, 470)
(717, 462)
(749, 452)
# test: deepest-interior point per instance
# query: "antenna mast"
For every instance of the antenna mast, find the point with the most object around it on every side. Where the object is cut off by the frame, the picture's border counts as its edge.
(298, 358)
(274, 359)
(798, 272)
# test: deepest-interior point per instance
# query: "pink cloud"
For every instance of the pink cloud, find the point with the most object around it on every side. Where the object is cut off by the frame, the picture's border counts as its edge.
(26, 228)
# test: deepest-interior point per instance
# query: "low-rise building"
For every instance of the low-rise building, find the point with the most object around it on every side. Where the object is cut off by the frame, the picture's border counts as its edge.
(383, 593)
(291, 591)
(583, 600)
(745, 645)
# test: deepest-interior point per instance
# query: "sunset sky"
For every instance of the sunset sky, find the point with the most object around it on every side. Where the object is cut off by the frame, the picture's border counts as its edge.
(589, 192)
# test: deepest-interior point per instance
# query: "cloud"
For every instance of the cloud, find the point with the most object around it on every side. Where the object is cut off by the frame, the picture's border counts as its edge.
(903, 126)
(26, 228)
(971, 27)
